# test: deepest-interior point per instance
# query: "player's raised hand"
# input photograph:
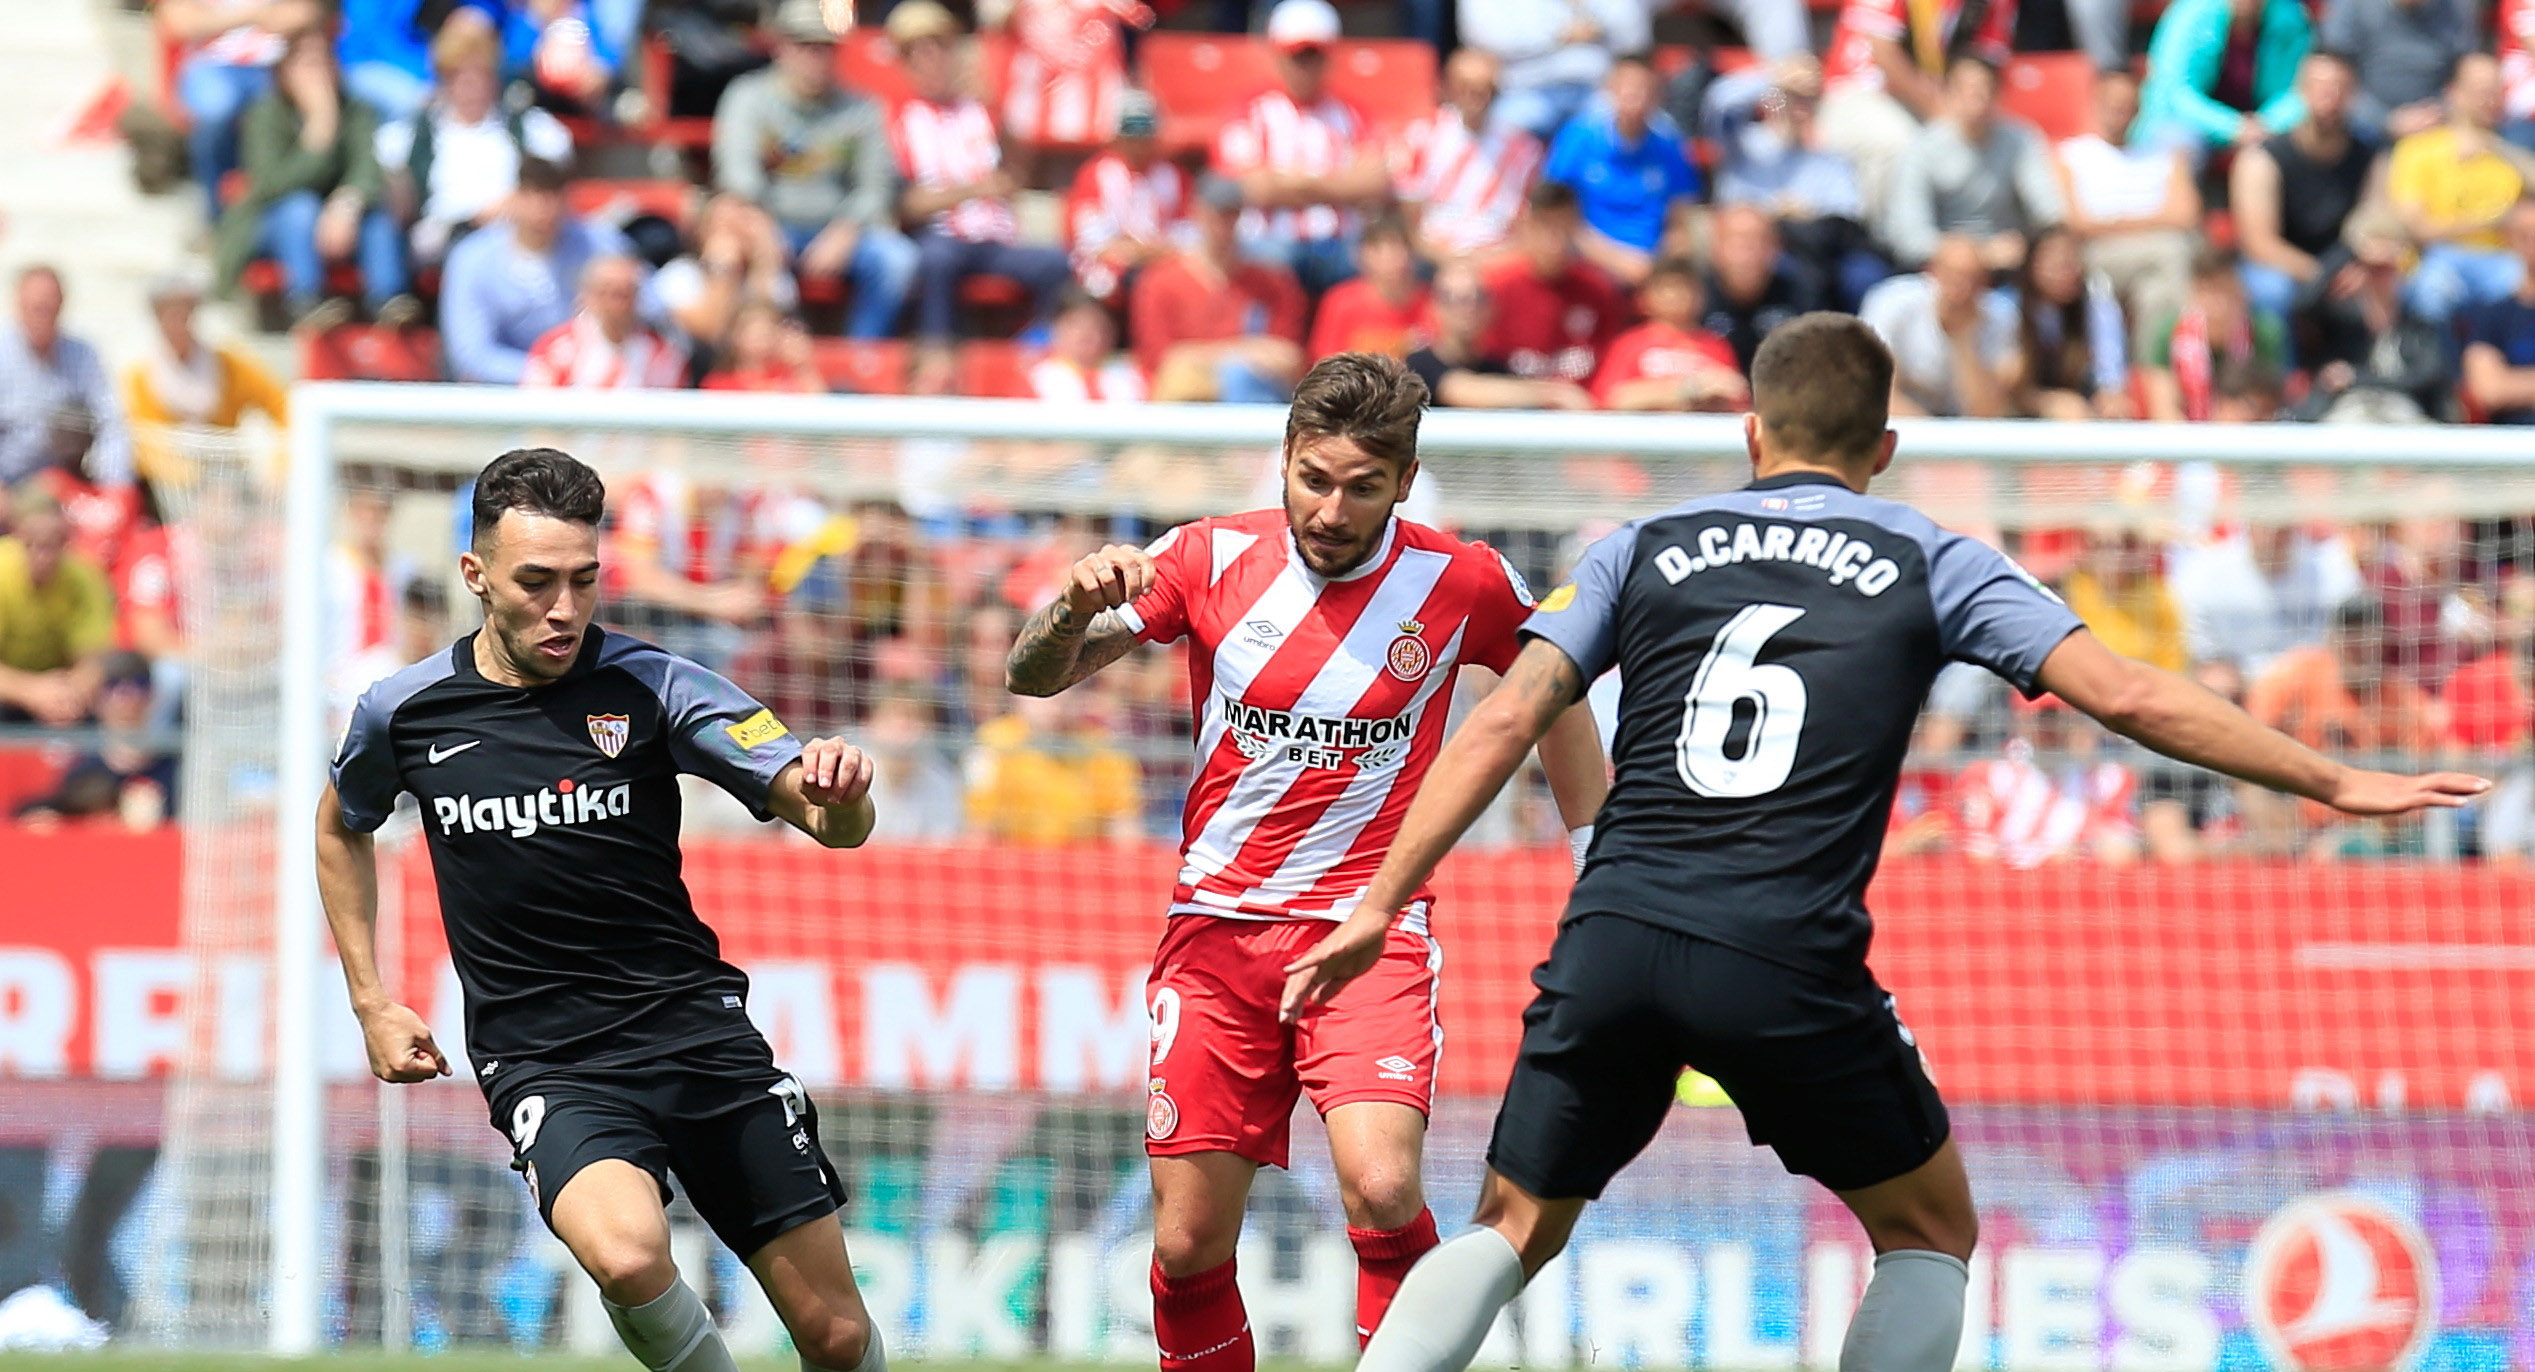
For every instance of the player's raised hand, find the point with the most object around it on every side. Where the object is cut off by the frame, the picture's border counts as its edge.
(2391, 793)
(1346, 953)
(400, 1045)
(1108, 579)
(834, 772)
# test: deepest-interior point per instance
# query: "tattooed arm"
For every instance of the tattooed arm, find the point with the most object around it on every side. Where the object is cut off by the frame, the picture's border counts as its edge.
(1080, 632)
(1473, 767)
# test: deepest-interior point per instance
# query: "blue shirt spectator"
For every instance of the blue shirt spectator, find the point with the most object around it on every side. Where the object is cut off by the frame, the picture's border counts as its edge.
(510, 282)
(44, 372)
(1626, 162)
(385, 48)
(2500, 336)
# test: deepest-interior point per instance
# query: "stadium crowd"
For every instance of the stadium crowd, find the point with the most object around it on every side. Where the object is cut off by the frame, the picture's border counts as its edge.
(2277, 215)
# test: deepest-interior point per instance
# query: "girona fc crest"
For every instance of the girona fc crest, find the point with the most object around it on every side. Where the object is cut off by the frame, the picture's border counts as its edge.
(609, 732)
(1161, 1115)
(1409, 658)
(2340, 1283)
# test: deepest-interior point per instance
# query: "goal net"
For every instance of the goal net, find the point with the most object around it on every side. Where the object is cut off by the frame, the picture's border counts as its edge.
(2239, 1083)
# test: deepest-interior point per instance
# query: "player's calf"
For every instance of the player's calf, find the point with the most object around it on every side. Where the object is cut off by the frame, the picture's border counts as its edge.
(1923, 1226)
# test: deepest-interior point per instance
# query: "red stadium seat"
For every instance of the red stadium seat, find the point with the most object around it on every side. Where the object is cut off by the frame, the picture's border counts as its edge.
(2053, 91)
(864, 366)
(996, 369)
(620, 200)
(867, 62)
(686, 132)
(28, 771)
(1392, 80)
(1672, 58)
(366, 352)
(1202, 79)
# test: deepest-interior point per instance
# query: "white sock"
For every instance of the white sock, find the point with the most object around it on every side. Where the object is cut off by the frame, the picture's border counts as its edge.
(1446, 1305)
(1911, 1319)
(671, 1332)
(874, 1359)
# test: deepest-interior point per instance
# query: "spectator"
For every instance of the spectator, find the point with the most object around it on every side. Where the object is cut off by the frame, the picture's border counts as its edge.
(2221, 73)
(181, 381)
(570, 51)
(1553, 53)
(2048, 798)
(1629, 168)
(1046, 775)
(1669, 362)
(229, 48)
(1069, 69)
(449, 167)
(1886, 73)
(1953, 341)
(2516, 25)
(687, 562)
(1209, 324)
(606, 346)
(2074, 363)
(42, 370)
(1464, 174)
(2117, 589)
(385, 47)
(768, 350)
(513, 282)
(916, 792)
(1751, 288)
(738, 261)
(1128, 206)
(1082, 362)
(101, 517)
(2254, 593)
(1300, 155)
(2337, 695)
(423, 622)
(123, 776)
(2489, 702)
(2500, 337)
(2134, 208)
(313, 191)
(1455, 365)
(2375, 361)
(1377, 312)
(2292, 192)
(2404, 50)
(2452, 185)
(819, 160)
(956, 182)
(363, 595)
(2246, 390)
(1972, 171)
(56, 617)
(2182, 353)
(1764, 124)
(1555, 312)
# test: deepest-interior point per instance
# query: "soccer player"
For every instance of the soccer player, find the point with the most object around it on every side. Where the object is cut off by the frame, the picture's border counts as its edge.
(605, 1029)
(1774, 645)
(1326, 638)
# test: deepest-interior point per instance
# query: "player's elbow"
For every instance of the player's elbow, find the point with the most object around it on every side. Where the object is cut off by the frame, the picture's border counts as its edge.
(2136, 702)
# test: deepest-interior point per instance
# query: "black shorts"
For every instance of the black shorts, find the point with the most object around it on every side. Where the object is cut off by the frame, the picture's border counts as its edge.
(738, 1132)
(1824, 1072)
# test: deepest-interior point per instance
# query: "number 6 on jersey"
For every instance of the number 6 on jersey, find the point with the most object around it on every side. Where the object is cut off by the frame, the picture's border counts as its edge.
(1727, 677)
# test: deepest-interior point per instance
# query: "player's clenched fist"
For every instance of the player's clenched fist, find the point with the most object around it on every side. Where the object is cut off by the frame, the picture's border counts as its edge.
(834, 772)
(400, 1045)
(1108, 579)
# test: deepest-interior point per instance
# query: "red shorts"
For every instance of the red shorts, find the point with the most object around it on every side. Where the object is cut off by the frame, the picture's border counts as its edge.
(1226, 1074)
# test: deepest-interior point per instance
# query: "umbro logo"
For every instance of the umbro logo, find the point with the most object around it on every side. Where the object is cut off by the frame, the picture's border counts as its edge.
(1264, 629)
(437, 754)
(1396, 1068)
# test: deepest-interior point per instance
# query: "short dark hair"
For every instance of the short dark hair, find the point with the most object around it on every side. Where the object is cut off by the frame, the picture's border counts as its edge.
(540, 481)
(1388, 224)
(1956, 61)
(1676, 266)
(2346, 61)
(2211, 262)
(1371, 398)
(538, 174)
(1552, 197)
(1822, 385)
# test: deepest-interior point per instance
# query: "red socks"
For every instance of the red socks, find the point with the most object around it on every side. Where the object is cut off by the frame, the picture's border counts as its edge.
(1200, 1324)
(1383, 1257)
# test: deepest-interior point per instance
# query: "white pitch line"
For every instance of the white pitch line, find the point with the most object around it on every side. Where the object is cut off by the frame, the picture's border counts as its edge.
(2416, 957)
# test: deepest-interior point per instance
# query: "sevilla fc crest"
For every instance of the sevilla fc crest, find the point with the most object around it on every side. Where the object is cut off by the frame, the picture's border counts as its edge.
(1409, 657)
(2340, 1283)
(609, 732)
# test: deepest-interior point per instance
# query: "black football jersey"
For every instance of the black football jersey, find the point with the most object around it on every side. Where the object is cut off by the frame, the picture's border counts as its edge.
(1774, 646)
(552, 813)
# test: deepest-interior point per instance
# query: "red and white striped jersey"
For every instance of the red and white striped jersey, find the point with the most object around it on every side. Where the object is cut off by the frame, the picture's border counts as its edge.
(1068, 68)
(1851, 56)
(706, 536)
(1471, 184)
(1275, 133)
(954, 145)
(576, 355)
(2022, 815)
(1319, 702)
(2515, 26)
(1111, 200)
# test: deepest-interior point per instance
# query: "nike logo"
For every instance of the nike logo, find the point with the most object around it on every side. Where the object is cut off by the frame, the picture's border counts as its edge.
(438, 754)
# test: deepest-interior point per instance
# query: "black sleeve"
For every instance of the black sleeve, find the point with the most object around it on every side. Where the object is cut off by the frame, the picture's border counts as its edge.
(366, 779)
(721, 733)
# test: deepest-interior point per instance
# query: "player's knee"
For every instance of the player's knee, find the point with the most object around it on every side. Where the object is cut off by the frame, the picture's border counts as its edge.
(629, 1270)
(834, 1340)
(1187, 1245)
(1934, 1228)
(1383, 1198)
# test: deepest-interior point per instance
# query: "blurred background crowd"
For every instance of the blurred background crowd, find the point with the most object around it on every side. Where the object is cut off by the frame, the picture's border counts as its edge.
(2225, 211)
